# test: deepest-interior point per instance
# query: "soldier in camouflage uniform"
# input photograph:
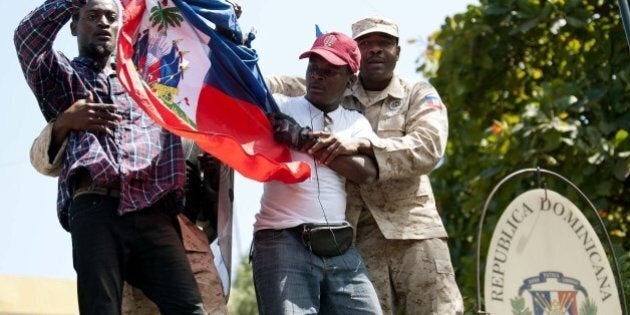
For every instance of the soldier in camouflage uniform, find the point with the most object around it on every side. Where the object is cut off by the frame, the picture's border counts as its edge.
(196, 241)
(398, 228)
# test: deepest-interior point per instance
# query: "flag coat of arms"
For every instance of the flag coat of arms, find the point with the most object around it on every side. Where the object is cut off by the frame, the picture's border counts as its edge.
(554, 302)
(201, 84)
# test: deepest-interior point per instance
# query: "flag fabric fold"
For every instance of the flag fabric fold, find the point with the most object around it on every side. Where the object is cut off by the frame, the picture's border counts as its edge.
(184, 63)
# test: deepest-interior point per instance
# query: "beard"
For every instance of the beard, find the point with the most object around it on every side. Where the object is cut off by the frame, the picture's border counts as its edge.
(97, 51)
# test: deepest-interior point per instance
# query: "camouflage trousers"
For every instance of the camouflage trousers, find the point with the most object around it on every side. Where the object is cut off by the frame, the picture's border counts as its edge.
(410, 276)
(202, 264)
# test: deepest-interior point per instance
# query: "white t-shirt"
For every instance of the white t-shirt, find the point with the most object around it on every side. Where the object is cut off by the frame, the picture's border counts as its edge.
(322, 197)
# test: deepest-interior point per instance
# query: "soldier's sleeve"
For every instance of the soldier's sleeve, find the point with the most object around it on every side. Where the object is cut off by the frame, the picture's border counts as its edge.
(286, 85)
(423, 142)
(41, 161)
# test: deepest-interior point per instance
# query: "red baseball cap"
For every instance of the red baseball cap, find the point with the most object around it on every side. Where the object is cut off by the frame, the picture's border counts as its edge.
(338, 49)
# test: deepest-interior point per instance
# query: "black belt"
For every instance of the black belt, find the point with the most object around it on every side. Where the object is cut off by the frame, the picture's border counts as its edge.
(103, 191)
(297, 229)
(84, 186)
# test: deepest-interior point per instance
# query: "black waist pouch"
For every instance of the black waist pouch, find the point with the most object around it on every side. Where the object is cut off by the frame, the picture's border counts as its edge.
(327, 240)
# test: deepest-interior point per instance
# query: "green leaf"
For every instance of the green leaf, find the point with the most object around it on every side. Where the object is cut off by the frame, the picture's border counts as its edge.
(603, 188)
(596, 158)
(523, 28)
(495, 10)
(527, 7)
(575, 22)
(621, 170)
(620, 137)
(565, 101)
(552, 141)
(570, 4)
(596, 93)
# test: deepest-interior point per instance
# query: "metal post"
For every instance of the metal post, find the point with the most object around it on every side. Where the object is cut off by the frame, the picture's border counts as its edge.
(624, 7)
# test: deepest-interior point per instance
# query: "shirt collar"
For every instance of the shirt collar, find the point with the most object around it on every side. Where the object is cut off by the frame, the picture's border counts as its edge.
(394, 90)
(335, 114)
(91, 63)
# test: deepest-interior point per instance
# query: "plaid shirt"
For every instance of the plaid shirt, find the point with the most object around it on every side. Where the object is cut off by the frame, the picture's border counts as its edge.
(146, 159)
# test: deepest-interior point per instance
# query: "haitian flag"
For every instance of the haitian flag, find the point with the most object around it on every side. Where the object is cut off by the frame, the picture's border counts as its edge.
(202, 84)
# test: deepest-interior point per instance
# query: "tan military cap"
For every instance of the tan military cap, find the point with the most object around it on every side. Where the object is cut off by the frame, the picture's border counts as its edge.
(375, 24)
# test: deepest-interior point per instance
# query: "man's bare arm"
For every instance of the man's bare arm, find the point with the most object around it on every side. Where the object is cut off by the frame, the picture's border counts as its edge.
(359, 169)
(349, 158)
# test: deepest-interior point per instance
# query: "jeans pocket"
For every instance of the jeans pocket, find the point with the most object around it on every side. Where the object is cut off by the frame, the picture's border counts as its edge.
(266, 235)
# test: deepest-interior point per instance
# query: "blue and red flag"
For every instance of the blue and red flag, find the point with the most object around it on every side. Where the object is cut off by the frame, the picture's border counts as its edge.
(202, 84)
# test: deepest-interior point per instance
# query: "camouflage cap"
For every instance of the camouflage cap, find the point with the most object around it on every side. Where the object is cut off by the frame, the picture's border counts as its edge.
(374, 24)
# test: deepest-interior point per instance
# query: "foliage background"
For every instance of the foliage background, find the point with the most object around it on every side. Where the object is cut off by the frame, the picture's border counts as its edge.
(532, 83)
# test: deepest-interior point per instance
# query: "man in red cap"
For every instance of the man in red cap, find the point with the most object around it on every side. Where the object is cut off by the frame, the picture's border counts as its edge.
(303, 258)
(399, 231)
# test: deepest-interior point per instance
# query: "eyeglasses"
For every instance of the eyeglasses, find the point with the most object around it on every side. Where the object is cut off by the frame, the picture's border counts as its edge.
(325, 73)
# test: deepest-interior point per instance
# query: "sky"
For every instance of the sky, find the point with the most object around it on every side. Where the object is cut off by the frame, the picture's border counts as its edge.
(32, 243)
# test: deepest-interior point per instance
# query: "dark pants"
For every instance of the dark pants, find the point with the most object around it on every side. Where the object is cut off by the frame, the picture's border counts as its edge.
(142, 247)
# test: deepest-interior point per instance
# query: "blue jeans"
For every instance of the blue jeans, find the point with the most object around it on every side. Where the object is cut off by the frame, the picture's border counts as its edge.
(289, 279)
(142, 247)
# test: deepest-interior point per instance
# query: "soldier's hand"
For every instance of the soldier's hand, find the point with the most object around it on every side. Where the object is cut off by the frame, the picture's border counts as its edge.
(329, 146)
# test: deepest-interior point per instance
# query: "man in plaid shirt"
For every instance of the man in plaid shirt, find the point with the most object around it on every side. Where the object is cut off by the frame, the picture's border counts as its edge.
(120, 186)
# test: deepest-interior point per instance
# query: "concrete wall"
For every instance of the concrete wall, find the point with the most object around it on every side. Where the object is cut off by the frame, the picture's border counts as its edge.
(33, 295)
